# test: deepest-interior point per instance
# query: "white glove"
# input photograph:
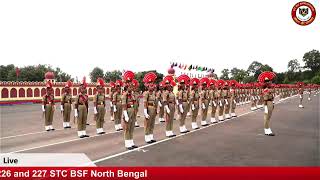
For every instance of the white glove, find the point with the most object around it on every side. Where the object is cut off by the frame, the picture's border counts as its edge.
(234, 101)
(192, 107)
(111, 104)
(226, 101)
(75, 113)
(177, 102)
(114, 108)
(159, 103)
(300, 96)
(266, 109)
(209, 103)
(145, 111)
(61, 107)
(43, 109)
(214, 103)
(180, 107)
(220, 103)
(126, 117)
(167, 108)
(259, 97)
(203, 106)
(95, 110)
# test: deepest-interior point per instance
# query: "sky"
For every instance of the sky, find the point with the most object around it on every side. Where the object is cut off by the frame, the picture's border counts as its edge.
(138, 35)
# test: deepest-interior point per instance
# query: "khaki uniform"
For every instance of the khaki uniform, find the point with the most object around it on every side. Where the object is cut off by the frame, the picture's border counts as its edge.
(233, 101)
(161, 108)
(253, 95)
(111, 105)
(194, 101)
(136, 107)
(214, 104)
(150, 104)
(227, 100)
(81, 106)
(128, 101)
(99, 101)
(48, 104)
(268, 105)
(66, 102)
(204, 99)
(117, 107)
(300, 96)
(169, 100)
(183, 98)
(221, 103)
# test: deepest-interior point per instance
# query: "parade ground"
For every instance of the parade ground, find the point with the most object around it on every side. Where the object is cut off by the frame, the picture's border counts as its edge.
(236, 142)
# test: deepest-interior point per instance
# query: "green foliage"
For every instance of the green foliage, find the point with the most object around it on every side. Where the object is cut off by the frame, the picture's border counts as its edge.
(112, 75)
(225, 74)
(95, 74)
(312, 60)
(293, 65)
(31, 73)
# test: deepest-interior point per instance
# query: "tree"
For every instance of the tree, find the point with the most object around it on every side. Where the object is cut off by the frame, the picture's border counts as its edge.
(95, 74)
(238, 74)
(312, 60)
(112, 75)
(225, 74)
(254, 67)
(293, 65)
(5, 71)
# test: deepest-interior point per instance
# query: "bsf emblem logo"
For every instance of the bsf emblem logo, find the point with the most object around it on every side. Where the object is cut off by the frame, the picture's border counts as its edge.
(303, 13)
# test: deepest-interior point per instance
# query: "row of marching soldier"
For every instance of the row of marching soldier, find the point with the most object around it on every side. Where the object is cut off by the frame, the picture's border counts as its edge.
(193, 96)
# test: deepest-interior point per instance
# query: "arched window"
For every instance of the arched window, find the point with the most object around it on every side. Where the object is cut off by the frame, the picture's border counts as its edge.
(4, 93)
(22, 92)
(43, 91)
(13, 93)
(75, 91)
(94, 91)
(57, 93)
(29, 92)
(36, 92)
(90, 91)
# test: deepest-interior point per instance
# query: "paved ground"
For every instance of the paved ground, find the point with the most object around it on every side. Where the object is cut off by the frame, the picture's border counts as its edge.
(237, 142)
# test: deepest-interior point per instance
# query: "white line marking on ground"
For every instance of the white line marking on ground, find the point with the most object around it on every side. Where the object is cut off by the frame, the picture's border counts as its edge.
(125, 152)
(167, 139)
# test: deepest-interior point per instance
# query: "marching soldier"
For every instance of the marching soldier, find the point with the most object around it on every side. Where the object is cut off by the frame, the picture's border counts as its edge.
(300, 90)
(194, 101)
(117, 105)
(309, 92)
(233, 97)
(66, 102)
(169, 104)
(253, 96)
(227, 99)
(48, 107)
(99, 106)
(137, 102)
(128, 102)
(266, 78)
(112, 90)
(214, 100)
(150, 106)
(81, 109)
(183, 98)
(161, 107)
(221, 100)
(204, 100)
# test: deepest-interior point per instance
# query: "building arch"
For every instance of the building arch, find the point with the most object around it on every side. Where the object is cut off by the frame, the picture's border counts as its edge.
(4, 93)
(13, 93)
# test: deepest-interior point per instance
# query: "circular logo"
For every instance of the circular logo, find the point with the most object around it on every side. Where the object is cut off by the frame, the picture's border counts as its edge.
(303, 13)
